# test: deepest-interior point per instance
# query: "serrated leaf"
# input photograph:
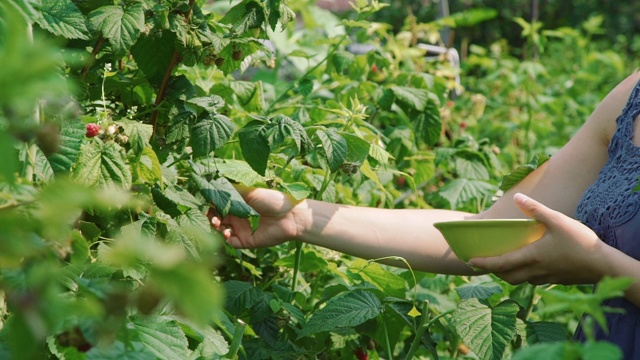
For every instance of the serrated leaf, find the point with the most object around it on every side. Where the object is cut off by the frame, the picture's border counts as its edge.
(139, 134)
(390, 283)
(153, 54)
(213, 346)
(255, 146)
(416, 99)
(210, 103)
(513, 178)
(428, 125)
(471, 165)
(282, 129)
(176, 235)
(120, 25)
(459, 191)
(194, 218)
(239, 171)
(71, 136)
(357, 148)
(210, 134)
(379, 154)
(221, 193)
(63, 18)
(545, 331)
(244, 16)
(102, 165)
(298, 190)
(147, 168)
(305, 86)
(241, 296)
(244, 90)
(344, 311)
(487, 331)
(133, 350)
(334, 146)
(162, 336)
(478, 291)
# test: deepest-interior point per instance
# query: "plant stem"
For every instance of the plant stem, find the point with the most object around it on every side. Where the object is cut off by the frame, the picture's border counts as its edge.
(386, 339)
(420, 331)
(94, 53)
(164, 84)
(237, 340)
(296, 267)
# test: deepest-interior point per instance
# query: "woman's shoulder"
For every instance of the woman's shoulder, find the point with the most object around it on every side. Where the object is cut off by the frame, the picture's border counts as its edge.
(611, 107)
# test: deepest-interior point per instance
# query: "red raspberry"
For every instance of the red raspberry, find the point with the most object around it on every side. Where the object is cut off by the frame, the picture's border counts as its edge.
(361, 354)
(92, 130)
(374, 68)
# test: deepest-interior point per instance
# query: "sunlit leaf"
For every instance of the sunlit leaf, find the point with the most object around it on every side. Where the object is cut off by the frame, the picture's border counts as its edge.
(487, 331)
(62, 18)
(344, 311)
(120, 25)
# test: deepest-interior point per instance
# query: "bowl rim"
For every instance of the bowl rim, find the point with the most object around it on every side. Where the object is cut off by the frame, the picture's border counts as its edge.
(486, 222)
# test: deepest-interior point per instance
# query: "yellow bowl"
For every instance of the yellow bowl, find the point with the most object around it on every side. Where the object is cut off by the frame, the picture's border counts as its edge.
(489, 237)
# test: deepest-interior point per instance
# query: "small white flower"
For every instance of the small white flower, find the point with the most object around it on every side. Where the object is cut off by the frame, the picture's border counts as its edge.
(111, 129)
(107, 67)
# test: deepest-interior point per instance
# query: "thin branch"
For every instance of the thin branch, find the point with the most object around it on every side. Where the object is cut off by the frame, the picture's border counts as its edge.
(96, 49)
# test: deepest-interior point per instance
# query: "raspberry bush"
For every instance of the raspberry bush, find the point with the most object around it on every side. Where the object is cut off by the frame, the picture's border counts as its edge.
(122, 122)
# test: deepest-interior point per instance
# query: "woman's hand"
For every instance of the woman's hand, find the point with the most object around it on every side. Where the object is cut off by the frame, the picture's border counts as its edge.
(568, 253)
(278, 221)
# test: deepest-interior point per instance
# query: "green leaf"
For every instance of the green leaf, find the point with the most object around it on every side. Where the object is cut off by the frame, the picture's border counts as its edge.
(311, 262)
(210, 103)
(552, 350)
(147, 167)
(357, 148)
(139, 134)
(210, 134)
(153, 54)
(241, 296)
(510, 180)
(248, 14)
(427, 124)
(212, 346)
(305, 86)
(255, 146)
(487, 331)
(283, 129)
(9, 154)
(237, 170)
(478, 291)
(72, 134)
(471, 165)
(335, 148)
(344, 311)
(120, 25)
(298, 190)
(118, 350)
(415, 99)
(460, 191)
(545, 331)
(390, 283)
(102, 165)
(62, 18)
(221, 193)
(162, 336)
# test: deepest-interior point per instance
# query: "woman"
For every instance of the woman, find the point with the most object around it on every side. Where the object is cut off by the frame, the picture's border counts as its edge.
(592, 177)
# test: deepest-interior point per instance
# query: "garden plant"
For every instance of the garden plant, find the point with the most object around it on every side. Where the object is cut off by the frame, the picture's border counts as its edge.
(124, 123)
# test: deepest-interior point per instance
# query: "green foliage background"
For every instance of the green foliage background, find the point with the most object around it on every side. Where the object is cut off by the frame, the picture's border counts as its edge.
(105, 246)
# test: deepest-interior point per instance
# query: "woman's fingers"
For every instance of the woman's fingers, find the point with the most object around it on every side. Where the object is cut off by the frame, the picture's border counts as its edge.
(535, 209)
